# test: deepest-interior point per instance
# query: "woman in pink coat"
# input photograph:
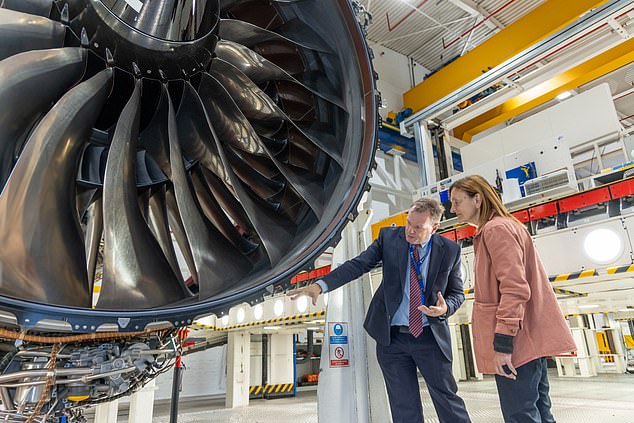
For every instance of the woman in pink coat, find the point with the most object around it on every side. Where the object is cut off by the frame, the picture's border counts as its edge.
(517, 321)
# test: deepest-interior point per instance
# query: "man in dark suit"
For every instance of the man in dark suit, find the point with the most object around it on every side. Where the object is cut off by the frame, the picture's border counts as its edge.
(407, 317)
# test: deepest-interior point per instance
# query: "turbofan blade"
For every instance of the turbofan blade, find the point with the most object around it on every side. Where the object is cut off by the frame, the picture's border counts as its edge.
(29, 83)
(22, 32)
(94, 235)
(240, 127)
(131, 281)
(249, 35)
(159, 223)
(34, 7)
(275, 231)
(43, 252)
(218, 263)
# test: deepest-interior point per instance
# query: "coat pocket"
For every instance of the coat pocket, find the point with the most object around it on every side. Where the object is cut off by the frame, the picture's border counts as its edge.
(483, 324)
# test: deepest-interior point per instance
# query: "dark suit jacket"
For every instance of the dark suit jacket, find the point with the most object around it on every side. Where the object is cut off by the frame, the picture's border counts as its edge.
(391, 247)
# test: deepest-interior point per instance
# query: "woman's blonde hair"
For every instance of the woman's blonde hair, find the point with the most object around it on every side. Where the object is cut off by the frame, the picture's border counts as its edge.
(491, 201)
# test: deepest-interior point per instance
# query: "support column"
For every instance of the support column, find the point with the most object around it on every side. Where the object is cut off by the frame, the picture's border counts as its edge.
(238, 363)
(107, 412)
(424, 154)
(142, 404)
(355, 393)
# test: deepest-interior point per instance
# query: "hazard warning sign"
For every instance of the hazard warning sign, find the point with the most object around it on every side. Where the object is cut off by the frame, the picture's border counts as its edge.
(339, 347)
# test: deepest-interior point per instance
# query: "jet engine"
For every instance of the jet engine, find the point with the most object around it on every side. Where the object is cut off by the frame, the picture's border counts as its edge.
(162, 160)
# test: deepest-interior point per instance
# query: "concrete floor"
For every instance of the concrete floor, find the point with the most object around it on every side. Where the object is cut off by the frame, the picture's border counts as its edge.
(604, 399)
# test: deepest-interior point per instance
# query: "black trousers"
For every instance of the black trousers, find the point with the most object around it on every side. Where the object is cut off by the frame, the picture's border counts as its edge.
(526, 399)
(399, 361)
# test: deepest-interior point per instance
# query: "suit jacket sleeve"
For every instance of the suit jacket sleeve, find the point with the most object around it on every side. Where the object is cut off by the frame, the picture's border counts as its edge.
(354, 268)
(454, 295)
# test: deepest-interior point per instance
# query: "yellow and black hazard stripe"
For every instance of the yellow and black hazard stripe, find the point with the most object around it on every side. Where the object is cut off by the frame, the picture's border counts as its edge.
(280, 389)
(577, 275)
(288, 320)
(468, 291)
(257, 390)
(620, 269)
(569, 293)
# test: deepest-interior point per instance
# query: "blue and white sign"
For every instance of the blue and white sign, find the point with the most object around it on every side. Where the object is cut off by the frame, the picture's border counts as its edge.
(338, 344)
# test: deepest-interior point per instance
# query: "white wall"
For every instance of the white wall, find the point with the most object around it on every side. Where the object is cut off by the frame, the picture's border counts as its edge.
(394, 76)
(577, 120)
(205, 374)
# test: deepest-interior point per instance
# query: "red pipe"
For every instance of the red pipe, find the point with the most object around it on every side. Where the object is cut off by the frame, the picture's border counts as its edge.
(392, 28)
(499, 9)
(626, 118)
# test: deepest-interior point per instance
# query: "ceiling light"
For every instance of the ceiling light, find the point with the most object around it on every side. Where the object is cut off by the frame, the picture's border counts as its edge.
(225, 320)
(240, 315)
(603, 246)
(302, 303)
(278, 308)
(589, 306)
(314, 328)
(626, 309)
(258, 311)
(564, 95)
(271, 328)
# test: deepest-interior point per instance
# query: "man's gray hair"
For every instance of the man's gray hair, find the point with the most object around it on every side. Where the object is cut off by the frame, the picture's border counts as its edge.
(429, 205)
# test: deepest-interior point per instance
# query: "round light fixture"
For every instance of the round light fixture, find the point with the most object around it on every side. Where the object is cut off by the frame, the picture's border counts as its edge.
(603, 246)
(302, 304)
(225, 320)
(258, 311)
(278, 307)
(240, 315)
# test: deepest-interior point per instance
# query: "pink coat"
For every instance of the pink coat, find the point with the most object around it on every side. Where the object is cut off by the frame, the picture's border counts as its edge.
(513, 296)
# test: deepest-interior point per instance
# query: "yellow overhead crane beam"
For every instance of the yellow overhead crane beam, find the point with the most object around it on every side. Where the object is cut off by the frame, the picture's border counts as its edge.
(512, 40)
(590, 70)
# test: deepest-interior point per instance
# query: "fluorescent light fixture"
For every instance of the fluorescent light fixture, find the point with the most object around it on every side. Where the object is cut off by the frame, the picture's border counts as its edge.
(225, 320)
(302, 303)
(589, 306)
(240, 315)
(314, 328)
(258, 311)
(626, 309)
(564, 95)
(603, 246)
(278, 307)
(271, 328)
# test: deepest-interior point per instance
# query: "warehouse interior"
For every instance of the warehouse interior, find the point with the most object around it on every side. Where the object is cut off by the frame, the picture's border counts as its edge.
(537, 96)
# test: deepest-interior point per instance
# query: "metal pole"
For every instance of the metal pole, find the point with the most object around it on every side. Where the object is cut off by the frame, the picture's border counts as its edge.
(176, 389)
(177, 379)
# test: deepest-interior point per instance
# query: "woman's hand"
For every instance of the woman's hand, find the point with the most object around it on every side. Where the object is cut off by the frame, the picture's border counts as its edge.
(503, 362)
